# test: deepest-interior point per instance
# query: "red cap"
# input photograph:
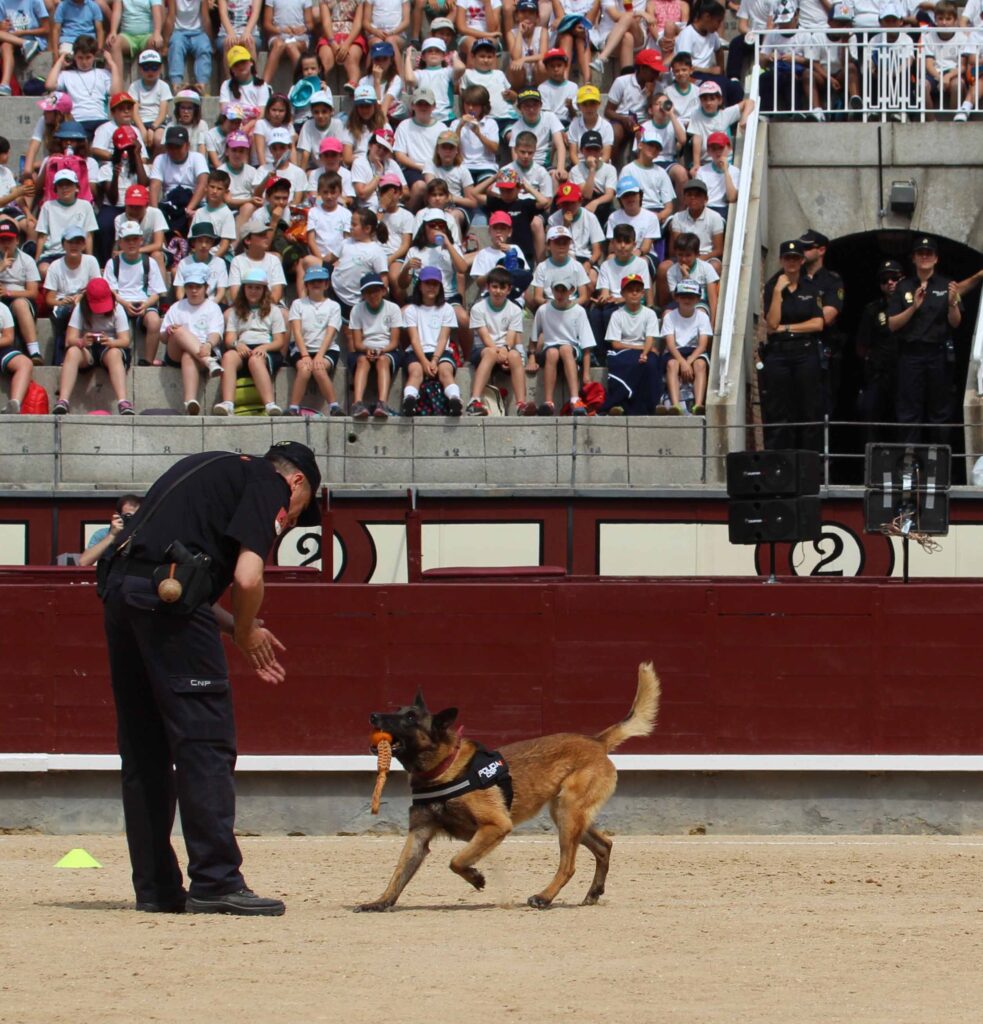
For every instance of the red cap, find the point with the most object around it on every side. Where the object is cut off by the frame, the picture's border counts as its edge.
(9, 228)
(555, 54)
(137, 195)
(718, 139)
(649, 59)
(99, 296)
(499, 217)
(119, 98)
(124, 137)
(632, 279)
(568, 193)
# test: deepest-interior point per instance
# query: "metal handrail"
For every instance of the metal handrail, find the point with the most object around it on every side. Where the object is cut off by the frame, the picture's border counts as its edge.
(737, 230)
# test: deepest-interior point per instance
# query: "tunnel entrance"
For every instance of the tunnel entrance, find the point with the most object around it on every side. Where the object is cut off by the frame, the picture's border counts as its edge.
(855, 258)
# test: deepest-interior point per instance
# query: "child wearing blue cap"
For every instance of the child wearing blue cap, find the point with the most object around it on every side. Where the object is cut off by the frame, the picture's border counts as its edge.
(314, 322)
(375, 326)
(429, 320)
(384, 81)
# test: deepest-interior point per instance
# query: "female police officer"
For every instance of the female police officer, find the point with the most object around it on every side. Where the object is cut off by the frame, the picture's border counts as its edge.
(169, 675)
(791, 379)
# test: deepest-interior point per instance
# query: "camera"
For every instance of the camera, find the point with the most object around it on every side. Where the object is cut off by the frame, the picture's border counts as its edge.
(667, 105)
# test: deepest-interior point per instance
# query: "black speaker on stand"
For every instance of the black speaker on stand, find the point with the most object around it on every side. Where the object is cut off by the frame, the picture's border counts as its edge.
(906, 492)
(774, 498)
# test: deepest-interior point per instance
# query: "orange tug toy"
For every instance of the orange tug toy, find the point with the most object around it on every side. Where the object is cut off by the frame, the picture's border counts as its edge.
(382, 741)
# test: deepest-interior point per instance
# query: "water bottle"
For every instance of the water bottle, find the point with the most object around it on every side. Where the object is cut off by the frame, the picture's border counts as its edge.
(511, 261)
(69, 151)
(438, 240)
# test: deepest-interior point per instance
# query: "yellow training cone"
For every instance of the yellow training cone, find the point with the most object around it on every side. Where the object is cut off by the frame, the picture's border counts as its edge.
(78, 858)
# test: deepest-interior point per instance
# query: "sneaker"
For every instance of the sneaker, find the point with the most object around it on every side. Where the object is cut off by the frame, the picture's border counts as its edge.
(224, 409)
(335, 410)
(215, 368)
(193, 408)
(961, 116)
(272, 409)
(29, 49)
(381, 411)
(546, 409)
(577, 407)
(597, 65)
(616, 410)
(528, 409)
(125, 408)
(244, 902)
(13, 407)
(293, 410)
(409, 405)
(677, 410)
(817, 114)
(143, 362)
(454, 406)
(661, 410)
(699, 410)
(5, 90)
(61, 408)
(476, 407)
(350, 86)
(360, 411)
(37, 359)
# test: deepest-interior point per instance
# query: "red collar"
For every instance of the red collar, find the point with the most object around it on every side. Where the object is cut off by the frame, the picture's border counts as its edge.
(434, 773)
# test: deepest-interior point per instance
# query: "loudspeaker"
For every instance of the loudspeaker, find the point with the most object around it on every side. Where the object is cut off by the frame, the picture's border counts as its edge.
(776, 473)
(927, 511)
(908, 467)
(774, 520)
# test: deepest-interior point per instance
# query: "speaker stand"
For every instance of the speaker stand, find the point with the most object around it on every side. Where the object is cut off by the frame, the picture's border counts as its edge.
(904, 557)
(772, 578)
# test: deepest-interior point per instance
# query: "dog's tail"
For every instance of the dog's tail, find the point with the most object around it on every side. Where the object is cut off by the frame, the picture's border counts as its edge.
(641, 718)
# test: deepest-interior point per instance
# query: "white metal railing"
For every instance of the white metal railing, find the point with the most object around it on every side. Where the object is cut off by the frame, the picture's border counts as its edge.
(737, 228)
(877, 75)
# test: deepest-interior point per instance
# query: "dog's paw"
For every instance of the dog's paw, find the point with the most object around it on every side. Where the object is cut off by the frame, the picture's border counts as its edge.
(592, 897)
(372, 908)
(539, 902)
(476, 878)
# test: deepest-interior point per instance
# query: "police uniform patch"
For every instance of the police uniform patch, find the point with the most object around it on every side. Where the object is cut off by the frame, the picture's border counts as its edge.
(839, 294)
(280, 523)
(908, 297)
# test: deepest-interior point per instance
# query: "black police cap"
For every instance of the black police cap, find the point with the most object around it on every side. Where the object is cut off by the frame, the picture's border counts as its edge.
(890, 268)
(811, 238)
(303, 458)
(792, 248)
(924, 242)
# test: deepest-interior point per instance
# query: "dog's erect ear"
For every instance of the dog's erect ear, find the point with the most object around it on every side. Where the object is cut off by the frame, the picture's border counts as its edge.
(443, 719)
(419, 702)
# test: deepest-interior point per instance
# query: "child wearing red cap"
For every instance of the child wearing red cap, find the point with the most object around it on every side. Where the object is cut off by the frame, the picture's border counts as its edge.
(98, 335)
(721, 177)
(634, 369)
(500, 252)
(558, 92)
(137, 209)
(628, 96)
(19, 285)
(584, 227)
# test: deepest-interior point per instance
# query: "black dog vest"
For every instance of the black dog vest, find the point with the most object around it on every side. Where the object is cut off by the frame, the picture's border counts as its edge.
(487, 768)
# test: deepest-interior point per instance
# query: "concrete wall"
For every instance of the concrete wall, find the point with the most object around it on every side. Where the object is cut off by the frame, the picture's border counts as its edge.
(757, 803)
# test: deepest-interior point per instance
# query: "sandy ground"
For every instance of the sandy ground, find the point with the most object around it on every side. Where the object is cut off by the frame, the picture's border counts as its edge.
(700, 929)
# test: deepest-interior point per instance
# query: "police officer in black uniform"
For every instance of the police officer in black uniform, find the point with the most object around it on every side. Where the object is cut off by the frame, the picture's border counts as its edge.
(830, 285)
(790, 379)
(925, 310)
(877, 348)
(176, 731)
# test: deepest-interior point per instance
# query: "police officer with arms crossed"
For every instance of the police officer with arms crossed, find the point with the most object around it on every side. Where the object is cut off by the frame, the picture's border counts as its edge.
(830, 285)
(925, 309)
(790, 378)
(169, 675)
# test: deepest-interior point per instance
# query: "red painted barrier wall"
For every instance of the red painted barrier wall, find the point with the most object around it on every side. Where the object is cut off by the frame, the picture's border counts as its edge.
(804, 666)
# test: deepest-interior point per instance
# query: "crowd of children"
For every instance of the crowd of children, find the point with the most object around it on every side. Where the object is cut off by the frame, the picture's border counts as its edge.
(290, 232)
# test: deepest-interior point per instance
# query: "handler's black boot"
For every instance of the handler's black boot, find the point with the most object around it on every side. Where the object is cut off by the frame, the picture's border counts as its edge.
(244, 902)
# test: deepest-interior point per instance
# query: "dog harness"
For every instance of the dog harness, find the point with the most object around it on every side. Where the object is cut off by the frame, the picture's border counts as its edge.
(487, 768)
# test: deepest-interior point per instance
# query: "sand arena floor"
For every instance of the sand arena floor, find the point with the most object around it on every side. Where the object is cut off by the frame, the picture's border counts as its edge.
(697, 929)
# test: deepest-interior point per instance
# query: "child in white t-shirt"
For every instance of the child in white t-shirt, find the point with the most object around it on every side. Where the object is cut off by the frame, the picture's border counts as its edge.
(687, 334)
(375, 327)
(153, 96)
(478, 132)
(562, 331)
(429, 321)
(314, 322)
(496, 323)
(634, 370)
(438, 73)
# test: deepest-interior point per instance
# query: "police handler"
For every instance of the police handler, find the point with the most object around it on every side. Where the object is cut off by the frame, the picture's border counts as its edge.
(830, 284)
(877, 347)
(169, 675)
(791, 380)
(925, 309)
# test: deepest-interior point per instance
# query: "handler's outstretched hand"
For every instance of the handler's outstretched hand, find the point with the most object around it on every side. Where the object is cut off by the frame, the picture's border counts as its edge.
(260, 646)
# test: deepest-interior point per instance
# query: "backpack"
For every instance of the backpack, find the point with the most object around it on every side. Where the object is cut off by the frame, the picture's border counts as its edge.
(67, 163)
(432, 401)
(35, 401)
(146, 272)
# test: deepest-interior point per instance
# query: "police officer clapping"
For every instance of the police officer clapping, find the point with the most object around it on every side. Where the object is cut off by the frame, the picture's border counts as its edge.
(790, 375)
(877, 347)
(925, 309)
(210, 521)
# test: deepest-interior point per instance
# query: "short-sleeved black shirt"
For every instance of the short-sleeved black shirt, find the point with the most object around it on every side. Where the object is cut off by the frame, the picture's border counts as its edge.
(830, 286)
(237, 501)
(931, 322)
(803, 304)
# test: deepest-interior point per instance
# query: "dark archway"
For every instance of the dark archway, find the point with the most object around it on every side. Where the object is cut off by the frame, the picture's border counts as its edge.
(854, 258)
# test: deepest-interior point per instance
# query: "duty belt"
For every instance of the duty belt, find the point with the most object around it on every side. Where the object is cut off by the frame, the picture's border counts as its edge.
(790, 342)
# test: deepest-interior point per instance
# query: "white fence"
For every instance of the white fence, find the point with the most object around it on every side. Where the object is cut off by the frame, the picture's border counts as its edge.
(870, 75)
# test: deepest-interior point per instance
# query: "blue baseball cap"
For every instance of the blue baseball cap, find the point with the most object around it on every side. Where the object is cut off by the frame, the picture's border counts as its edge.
(431, 274)
(628, 184)
(195, 273)
(364, 95)
(382, 50)
(316, 274)
(255, 277)
(370, 281)
(72, 232)
(70, 130)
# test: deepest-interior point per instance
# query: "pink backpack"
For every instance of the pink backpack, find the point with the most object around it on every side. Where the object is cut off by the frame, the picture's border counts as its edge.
(67, 163)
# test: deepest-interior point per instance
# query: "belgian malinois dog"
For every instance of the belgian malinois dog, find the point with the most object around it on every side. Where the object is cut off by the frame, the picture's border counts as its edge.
(572, 773)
